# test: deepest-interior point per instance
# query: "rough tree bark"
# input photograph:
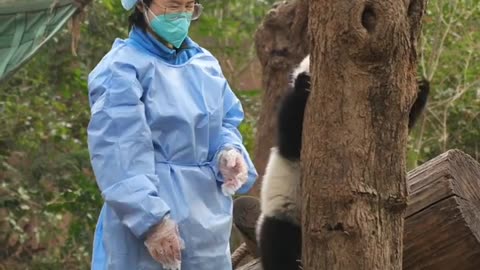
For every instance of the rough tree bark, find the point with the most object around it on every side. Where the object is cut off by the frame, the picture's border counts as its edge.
(281, 42)
(354, 181)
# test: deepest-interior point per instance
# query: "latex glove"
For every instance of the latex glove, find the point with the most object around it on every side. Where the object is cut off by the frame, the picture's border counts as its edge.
(164, 244)
(234, 170)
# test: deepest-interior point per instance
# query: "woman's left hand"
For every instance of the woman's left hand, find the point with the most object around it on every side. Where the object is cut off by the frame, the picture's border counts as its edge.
(234, 170)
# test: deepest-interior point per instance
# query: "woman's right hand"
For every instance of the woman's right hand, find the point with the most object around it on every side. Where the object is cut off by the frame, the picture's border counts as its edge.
(164, 244)
(234, 170)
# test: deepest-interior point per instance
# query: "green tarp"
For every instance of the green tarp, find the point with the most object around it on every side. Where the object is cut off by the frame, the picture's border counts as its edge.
(26, 25)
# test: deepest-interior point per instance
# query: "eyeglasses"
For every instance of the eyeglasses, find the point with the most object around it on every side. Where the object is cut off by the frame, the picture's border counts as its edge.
(173, 11)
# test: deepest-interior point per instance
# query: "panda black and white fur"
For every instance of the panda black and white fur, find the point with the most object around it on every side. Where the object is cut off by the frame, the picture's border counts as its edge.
(279, 233)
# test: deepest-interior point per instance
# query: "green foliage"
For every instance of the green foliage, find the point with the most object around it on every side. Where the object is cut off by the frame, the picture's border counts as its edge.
(226, 28)
(450, 53)
(251, 103)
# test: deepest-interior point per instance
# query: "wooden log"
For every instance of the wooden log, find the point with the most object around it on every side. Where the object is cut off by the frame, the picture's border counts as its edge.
(442, 220)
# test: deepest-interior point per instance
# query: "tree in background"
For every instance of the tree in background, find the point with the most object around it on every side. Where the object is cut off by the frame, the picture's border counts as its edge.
(449, 56)
(281, 42)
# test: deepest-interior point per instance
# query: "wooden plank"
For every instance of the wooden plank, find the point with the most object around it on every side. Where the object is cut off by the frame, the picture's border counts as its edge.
(439, 238)
(428, 195)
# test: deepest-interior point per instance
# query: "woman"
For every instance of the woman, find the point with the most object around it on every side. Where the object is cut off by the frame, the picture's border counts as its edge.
(164, 146)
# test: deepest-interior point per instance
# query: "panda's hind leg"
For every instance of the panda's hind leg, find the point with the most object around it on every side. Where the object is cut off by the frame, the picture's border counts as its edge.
(420, 102)
(280, 247)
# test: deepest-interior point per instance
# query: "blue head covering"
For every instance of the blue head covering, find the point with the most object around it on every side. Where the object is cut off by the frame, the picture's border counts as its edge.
(129, 4)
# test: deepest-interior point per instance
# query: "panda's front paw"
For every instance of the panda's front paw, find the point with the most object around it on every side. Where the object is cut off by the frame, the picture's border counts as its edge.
(302, 83)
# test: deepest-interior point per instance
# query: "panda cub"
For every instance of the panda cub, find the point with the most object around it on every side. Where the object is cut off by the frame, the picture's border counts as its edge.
(279, 233)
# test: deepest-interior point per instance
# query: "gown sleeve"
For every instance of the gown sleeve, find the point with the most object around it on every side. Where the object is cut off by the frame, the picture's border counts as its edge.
(230, 137)
(121, 148)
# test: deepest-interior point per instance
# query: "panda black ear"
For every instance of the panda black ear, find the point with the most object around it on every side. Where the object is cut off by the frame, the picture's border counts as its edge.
(302, 82)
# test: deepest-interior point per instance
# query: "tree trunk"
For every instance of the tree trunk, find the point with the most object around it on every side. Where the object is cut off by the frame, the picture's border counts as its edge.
(363, 85)
(281, 42)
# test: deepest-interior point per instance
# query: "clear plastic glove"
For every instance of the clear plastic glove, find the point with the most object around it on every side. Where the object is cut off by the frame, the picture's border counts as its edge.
(164, 244)
(234, 170)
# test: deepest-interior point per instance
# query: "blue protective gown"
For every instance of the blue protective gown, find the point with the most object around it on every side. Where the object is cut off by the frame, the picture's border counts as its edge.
(158, 121)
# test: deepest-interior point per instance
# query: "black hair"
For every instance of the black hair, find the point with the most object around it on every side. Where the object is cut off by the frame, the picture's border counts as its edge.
(137, 18)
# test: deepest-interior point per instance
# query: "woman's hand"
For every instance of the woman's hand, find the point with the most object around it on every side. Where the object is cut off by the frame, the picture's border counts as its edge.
(164, 244)
(234, 170)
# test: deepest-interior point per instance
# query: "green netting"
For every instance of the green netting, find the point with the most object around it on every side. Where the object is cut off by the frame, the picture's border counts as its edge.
(26, 25)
